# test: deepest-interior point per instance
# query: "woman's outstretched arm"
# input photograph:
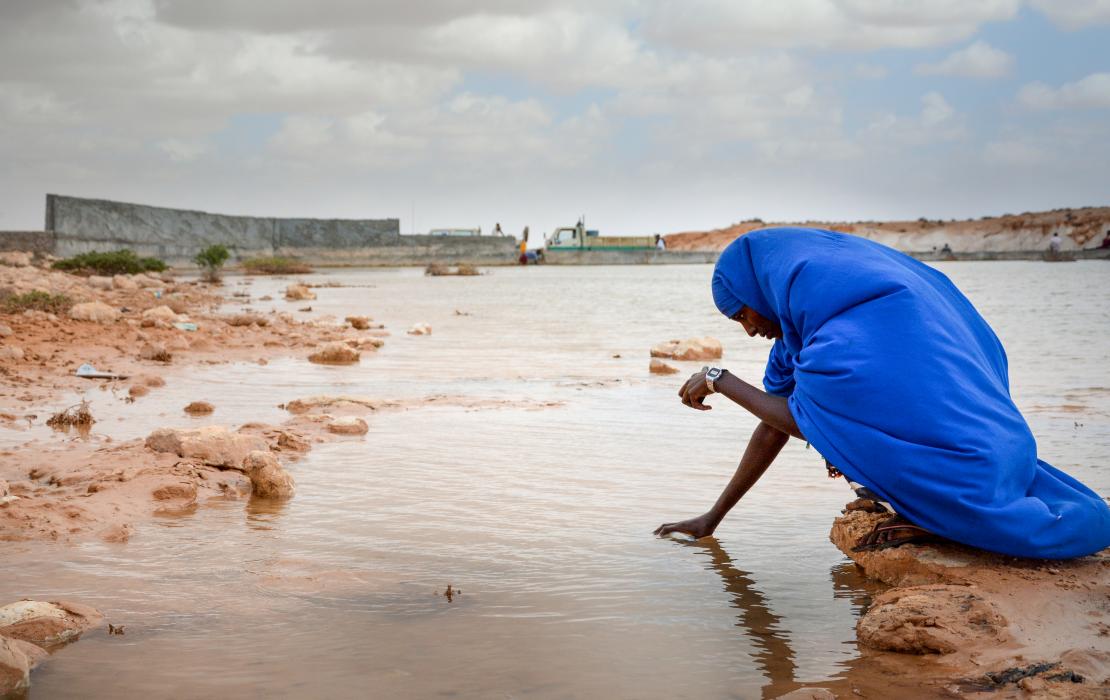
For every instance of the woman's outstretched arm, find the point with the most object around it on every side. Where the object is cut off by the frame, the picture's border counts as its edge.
(765, 444)
(771, 409)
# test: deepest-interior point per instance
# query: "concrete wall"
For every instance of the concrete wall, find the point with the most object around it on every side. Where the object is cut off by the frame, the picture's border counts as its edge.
(176, 235)
(30, 241)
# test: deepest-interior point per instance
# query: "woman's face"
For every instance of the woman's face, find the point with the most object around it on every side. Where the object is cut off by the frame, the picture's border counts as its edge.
(755, 324)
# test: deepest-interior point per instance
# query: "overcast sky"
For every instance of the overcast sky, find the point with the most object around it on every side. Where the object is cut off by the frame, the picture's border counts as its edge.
(644, 116)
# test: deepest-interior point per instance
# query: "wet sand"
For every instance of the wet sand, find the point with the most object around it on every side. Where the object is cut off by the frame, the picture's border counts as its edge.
(510, 455)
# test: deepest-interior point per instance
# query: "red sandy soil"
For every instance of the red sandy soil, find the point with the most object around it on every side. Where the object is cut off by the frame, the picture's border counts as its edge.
(1085, 227)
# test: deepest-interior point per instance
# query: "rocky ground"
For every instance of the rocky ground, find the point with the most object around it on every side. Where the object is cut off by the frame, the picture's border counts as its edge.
(1080, 228)
(960, 622)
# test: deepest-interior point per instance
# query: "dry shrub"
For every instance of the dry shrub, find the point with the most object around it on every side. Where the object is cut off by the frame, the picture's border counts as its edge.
(466, 270)
(78, 415)
(436, 270)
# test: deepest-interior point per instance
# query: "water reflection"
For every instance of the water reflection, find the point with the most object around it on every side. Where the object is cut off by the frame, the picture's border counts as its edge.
(774, 655)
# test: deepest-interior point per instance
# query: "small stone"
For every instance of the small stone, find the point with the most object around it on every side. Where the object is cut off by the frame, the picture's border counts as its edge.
(299, 292)
(359, 323)
(268, 479)
(11, 352)
(199, 408)
(156, 352)
(214, 445)
(138, 390)
(161, 313)
(5, 331)
(657, 366)
(335, 353)
(348, 425)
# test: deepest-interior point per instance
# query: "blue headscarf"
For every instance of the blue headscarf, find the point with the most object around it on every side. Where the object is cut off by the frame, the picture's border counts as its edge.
(895, 378)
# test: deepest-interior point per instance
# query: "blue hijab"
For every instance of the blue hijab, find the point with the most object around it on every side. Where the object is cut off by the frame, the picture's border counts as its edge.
(895, 378)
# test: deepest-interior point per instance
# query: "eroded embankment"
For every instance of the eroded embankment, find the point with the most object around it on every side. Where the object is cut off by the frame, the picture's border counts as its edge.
(986, 625)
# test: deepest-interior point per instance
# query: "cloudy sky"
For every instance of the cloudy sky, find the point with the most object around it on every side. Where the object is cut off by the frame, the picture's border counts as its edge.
(644, 116)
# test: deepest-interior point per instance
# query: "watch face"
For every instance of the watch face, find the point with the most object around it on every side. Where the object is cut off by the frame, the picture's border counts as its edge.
(713, 373)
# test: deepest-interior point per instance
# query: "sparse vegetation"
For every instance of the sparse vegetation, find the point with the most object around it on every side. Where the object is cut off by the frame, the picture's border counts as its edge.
(37, 300)
(78, 415)
(211, 260)
(275, 265)
(116, 262)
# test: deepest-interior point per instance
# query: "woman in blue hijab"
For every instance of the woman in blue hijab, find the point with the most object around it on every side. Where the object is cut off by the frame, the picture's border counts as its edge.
(883, 366)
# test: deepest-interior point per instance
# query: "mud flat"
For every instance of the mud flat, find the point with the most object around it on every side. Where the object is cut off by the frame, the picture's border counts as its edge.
(966, 623)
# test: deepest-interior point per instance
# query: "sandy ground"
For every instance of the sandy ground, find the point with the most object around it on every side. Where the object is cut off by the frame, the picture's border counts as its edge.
(103, 488)
(1081, 228)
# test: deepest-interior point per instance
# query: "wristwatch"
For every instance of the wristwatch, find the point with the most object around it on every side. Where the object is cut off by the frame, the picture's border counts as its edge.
(711, 375)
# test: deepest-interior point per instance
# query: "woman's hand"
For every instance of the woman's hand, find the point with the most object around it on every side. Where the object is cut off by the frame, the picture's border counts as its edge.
(694, 391)
(701, 526)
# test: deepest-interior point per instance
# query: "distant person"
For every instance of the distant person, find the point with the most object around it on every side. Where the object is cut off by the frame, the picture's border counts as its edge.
(946, 250)
(888, 371)
(497, 230)
(1054, 243)
(1106, 241)
(660, 244)
(523, 259)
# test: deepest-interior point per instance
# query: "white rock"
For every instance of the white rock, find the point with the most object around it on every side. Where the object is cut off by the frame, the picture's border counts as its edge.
(5, 331)
(299, 292)
(11, 352)
(420, 329)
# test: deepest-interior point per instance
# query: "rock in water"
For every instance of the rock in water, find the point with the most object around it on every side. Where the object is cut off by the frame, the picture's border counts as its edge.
(199, 408)
(47, 624)
(657, 366)
(359, 323)
(299, 292)
(420, 329)
(348, 425)
(335, 353)
(935, 619)
(17, 658)
(704, 348)
(95, 312)
(214, 445)
(268, 479)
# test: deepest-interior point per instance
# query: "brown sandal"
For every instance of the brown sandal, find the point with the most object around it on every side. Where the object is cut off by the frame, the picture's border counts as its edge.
(882, 535)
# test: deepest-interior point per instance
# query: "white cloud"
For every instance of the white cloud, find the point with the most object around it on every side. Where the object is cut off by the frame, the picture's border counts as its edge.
(979, 60)
(1075, 14)
(935, 109)
(732, 26)
(182, 151)
(1092, 91)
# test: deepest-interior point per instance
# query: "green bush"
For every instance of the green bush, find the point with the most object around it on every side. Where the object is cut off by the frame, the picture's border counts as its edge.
(117, 262)
(211, 260)
(37, 300)
(275, 266)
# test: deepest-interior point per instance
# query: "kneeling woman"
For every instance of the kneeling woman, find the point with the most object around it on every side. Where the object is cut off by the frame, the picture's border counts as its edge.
(883, 366)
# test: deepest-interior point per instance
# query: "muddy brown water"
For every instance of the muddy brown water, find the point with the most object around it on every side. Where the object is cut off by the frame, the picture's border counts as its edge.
(540, 518)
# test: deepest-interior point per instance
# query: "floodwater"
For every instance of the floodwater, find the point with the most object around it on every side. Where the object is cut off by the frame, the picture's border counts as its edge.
(538, 516)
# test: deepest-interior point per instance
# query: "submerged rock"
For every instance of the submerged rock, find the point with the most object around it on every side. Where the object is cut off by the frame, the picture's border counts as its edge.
(704, 348)
(199, 408)
(214, 445)
(47, 623)
(268, 479)
(95, 312)
(359, 323)
(335, 353)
